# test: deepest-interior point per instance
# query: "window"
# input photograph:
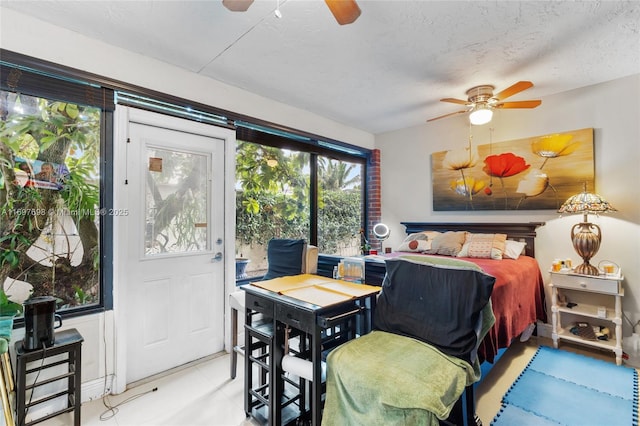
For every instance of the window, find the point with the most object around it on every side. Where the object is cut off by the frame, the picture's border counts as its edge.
(340, 209)
(171, 226)
(52, 205)
(290, 193)
(272, 200)
(287, 189)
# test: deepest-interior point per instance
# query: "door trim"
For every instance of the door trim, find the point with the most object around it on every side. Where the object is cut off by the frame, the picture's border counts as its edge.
(122, 117)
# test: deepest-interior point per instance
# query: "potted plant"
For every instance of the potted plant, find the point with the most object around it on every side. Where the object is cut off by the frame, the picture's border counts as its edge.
(8, 310)
(7, 307)
(364, 243)
(241, 267)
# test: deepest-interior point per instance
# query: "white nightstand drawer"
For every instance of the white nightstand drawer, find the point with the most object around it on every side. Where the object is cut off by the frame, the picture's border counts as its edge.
(581, 282)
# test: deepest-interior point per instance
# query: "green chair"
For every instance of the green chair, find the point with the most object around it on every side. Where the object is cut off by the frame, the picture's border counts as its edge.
(7, 385)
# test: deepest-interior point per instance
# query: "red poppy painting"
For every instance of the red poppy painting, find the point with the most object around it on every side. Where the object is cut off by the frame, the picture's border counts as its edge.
(536, 173)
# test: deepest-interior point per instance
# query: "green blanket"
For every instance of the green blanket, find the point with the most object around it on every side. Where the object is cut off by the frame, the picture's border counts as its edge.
(386, 379)
(442, 262)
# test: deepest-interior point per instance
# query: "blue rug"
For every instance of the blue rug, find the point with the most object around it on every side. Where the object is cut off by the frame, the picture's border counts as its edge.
(559, 387)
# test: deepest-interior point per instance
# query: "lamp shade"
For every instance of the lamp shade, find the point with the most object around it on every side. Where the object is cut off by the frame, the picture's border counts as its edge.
(585, 241)
(586, 202)
(480, 115)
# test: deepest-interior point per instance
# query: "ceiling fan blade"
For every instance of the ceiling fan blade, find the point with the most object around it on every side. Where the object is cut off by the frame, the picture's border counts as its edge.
(447, 115)
(518, 104)
(512, 90)
(345, 11)
(237, 5)
(455, 101)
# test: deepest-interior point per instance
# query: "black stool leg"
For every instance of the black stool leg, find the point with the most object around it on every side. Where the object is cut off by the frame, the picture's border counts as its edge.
(234, 342)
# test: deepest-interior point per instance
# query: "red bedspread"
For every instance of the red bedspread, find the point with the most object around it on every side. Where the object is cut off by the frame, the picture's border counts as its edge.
(517, 299)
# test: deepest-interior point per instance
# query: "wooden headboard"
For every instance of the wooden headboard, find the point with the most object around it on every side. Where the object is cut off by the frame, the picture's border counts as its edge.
(525, 232)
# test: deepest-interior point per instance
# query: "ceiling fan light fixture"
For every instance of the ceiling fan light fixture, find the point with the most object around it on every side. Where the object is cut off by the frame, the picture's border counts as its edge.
(481, 114)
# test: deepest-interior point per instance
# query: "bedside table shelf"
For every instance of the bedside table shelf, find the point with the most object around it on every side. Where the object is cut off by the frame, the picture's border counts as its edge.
(590, 311)
(602, 344)
(575, 284)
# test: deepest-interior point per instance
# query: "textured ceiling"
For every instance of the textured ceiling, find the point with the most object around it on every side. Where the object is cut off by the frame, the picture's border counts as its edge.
(387, 70)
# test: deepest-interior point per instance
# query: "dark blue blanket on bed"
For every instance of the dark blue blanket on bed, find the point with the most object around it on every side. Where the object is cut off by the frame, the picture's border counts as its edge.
(440, 304)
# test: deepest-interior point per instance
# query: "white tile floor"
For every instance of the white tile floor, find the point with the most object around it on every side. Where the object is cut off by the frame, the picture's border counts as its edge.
(203, 394)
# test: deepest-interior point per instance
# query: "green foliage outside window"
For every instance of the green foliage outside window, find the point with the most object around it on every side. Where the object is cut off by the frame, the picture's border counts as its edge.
(272, 198)
(340, 206)
(339, 221)
(271, 195)
(36, 131)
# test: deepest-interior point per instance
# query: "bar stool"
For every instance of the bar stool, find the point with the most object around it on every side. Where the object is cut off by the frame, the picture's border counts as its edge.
(7, 385)
(258, 352)
(236, 302)
(261, 400)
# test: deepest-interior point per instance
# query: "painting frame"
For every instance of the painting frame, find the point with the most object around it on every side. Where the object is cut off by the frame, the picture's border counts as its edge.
(533, 173)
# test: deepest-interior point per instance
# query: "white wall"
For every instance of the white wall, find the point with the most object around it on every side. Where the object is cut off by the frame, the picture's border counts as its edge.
(612, 109)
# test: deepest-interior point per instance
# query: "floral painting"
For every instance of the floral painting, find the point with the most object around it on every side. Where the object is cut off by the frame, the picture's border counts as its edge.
(535, 173)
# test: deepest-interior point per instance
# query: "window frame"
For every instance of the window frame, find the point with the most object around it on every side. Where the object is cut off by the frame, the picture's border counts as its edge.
(271, 134)
(311, 146)
(18, 78)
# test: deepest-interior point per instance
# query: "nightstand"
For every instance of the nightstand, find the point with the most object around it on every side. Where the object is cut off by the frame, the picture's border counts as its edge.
(575, 286)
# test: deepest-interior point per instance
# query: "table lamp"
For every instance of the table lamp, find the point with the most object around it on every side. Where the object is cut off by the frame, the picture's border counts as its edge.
(585, 241)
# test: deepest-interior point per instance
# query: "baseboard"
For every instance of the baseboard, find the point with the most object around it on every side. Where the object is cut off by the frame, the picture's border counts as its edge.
(544, 329)
(632, 361)
(96, 389)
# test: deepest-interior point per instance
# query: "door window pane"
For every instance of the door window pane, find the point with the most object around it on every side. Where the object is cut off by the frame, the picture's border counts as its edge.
(176, 202)
(49, 200)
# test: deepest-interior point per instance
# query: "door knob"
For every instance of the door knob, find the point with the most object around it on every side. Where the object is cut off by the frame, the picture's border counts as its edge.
(217, 257)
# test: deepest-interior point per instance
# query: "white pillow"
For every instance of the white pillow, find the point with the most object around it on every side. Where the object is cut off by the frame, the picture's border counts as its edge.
(448, 243)
(415, 245)
(417, 236)
(513, 249)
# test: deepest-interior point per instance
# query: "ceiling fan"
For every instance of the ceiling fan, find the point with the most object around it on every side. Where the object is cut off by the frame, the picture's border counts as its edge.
(481, 102)
(345, 11)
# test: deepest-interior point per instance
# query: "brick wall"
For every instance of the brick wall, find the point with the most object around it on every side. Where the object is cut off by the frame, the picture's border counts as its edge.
(374, 206)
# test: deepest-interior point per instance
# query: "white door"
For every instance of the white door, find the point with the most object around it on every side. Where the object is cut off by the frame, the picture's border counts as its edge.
(175, 270)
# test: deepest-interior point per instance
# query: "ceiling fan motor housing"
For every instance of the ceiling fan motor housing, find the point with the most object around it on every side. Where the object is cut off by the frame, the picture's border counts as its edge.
(481, 100)
(480, 94)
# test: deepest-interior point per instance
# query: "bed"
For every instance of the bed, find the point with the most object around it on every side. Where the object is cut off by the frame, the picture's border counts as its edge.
(518, 294)
(516, 301)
